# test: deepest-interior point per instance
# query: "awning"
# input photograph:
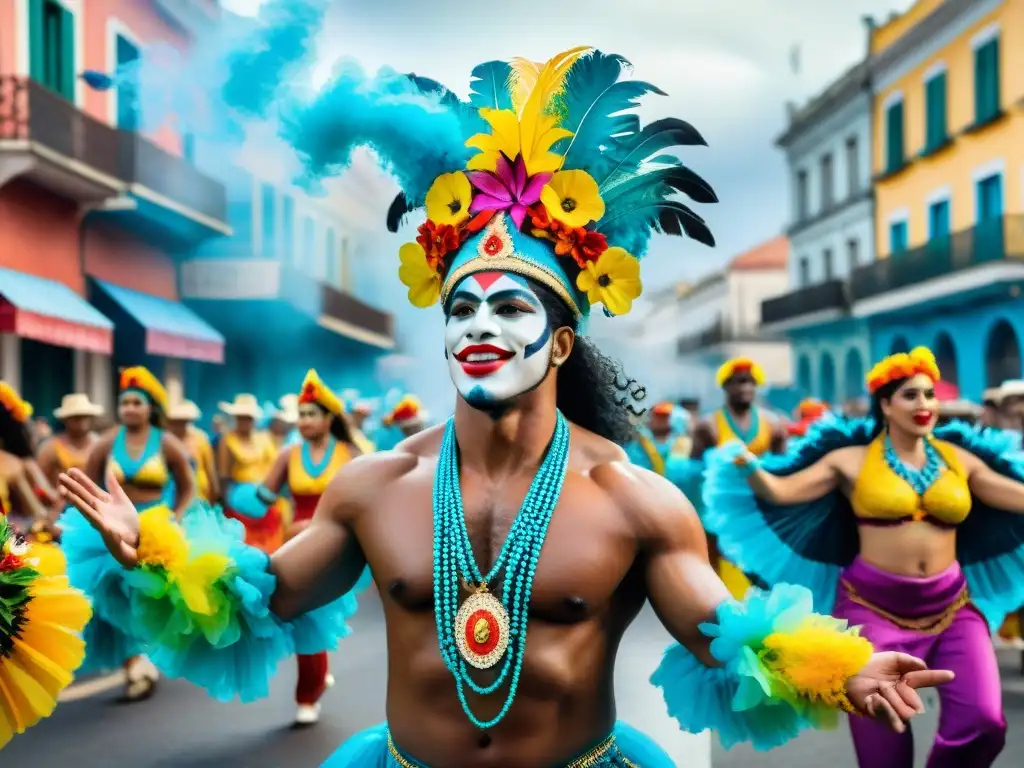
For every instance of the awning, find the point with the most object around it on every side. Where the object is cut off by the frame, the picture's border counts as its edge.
(47, 311)
(171, 329)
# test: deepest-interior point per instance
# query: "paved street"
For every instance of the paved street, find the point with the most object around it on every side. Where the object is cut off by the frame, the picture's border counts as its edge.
(182, 727)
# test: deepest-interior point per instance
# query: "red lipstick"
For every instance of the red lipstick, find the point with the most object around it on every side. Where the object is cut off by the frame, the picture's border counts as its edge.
(489, 359)
(923, 418)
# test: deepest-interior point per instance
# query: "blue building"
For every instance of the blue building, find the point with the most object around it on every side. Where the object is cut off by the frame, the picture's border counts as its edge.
(827, 144)
(283, 290)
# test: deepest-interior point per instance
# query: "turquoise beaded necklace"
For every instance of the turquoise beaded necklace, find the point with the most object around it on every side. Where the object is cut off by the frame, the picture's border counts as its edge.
(745, 436)
(486, 630)
(918, 479)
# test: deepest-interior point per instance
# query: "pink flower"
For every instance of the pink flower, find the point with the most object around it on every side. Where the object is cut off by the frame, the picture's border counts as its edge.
(507, 189)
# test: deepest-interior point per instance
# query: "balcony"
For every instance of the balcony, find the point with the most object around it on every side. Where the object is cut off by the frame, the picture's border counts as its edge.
(242, 295)
(171, 196)
(810, 304)
(718, 334)
(45, 138)
(971, 265)
(191, 16)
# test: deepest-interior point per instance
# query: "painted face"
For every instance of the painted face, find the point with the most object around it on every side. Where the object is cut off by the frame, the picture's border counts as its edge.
(497, 338)
(913, 407)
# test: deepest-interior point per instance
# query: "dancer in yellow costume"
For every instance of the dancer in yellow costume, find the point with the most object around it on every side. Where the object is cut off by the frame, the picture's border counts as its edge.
(738, 419)
(70, 448)
(181, 419)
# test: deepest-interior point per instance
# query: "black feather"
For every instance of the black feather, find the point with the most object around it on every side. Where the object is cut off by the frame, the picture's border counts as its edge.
(678, 178)
(668, 217)
(397, 211)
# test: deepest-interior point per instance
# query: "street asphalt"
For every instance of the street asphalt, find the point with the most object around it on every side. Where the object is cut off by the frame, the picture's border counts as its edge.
(181, 728)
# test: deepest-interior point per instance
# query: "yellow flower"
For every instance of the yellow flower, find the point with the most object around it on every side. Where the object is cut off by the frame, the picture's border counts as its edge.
(503, 138)
(418, 275)
(448, 199)
(612, 280)
(572, 197)
(161, 540)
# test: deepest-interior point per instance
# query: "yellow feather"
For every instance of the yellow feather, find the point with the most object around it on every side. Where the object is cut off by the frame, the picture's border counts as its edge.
(522, 77)
(536, 134)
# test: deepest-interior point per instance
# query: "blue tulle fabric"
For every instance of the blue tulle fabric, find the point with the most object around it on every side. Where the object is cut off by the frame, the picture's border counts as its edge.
(369, 749)
(687, 475)
(811, 543)
(235, 657)
(729, 699)
(242, 498)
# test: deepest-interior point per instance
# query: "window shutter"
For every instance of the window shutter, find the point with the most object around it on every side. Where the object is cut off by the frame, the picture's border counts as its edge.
(36, 42)
(894, 137)
(66, 86)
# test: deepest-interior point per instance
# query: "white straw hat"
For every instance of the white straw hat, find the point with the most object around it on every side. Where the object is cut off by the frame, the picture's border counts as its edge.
(243, 405)
(184, 411)
(77, 404)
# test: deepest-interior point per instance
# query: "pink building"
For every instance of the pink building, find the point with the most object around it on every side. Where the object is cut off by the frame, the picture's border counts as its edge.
(94, 216)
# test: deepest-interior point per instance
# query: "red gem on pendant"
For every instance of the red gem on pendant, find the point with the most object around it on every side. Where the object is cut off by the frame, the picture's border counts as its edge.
(493, 245)
(482, 632)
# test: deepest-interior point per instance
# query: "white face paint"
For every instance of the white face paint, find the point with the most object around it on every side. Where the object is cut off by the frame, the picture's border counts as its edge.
(496, 338)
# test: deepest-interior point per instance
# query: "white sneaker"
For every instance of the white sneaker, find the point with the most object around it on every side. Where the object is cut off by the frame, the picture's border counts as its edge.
(307, 714)
(329, 681)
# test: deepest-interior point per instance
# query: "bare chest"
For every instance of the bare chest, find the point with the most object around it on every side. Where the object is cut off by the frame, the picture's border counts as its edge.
(587, 552)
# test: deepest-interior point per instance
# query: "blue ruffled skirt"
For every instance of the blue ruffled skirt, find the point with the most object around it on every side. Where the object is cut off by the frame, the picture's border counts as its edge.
(369, 749)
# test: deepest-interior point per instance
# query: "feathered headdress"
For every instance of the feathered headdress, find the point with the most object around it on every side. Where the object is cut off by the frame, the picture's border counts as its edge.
(903, 365)
(563, 186)
(315, 391)
(409, 409)
(730, 368)
(140, 379)
(10, 400)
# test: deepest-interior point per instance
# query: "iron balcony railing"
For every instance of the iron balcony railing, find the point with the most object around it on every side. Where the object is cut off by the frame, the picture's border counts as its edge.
(987, 242)
(32, 112)
(719, 333)
(142, 162)
(832, 294)
(347, 308)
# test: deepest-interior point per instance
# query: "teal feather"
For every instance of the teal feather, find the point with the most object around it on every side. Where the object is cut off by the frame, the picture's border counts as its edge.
(632, 229)
(593, 105)
(489, 86)
(661, 182)
(627, 155)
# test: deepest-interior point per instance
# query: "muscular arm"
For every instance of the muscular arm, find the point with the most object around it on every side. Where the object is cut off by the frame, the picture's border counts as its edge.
(703, 439)
(324, 561)
(996, 490)
(181, 471)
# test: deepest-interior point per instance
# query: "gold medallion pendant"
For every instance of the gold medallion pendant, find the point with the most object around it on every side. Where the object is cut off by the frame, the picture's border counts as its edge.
(482, 629)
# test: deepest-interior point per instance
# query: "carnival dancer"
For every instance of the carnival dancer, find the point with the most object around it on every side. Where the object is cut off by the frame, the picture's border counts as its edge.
(244, 457)
(305, 471)
(181, 422)
(912, 532)
(739, 419)
(143, 458)
(70, 448)
(536, 423)
(665, 434)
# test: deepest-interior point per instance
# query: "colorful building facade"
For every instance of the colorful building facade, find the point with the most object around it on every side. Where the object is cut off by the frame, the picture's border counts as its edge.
(827, 145)
(948, 91)
(95, 214)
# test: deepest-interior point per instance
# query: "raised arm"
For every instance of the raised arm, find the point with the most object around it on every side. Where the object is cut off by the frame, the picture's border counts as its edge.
(180, 469)
(818, 480)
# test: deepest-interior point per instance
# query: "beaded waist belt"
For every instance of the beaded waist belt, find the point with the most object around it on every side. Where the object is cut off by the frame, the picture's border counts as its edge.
(604, 755)
(933, 624)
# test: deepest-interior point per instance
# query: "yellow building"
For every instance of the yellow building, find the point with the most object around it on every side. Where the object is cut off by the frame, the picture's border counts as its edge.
(948, 136)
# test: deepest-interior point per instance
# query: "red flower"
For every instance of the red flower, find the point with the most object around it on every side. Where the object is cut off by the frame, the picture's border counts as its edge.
(11, 563)
(437, 240)
(582, 244)
(493, 245)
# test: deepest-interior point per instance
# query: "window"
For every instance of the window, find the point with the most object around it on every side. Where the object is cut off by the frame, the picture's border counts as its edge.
(935, 112)
(853, 253)
(801, 195)
(894, 137)
(990, 198)
(827, 190)
(827, 265)
(852, 166)
(52, 46)
(333, 266)
(986, 81)
(938, 219)
(269, 225)
(805, 271)
(308, 257)
(898, 236)
(288, 228)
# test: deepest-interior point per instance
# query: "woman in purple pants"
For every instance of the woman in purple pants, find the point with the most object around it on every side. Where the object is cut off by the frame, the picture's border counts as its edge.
(913, 532)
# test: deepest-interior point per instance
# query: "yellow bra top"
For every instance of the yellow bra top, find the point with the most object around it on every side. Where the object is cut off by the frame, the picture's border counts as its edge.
(250, 463)
(152, 474)
(881, 494)
(302, 483)
(67, 457)
(759, 445)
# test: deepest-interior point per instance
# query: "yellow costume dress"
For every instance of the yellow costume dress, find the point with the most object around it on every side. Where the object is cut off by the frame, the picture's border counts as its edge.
(250, 464)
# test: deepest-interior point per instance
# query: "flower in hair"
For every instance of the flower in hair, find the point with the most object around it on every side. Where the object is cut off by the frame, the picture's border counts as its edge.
(903, 365)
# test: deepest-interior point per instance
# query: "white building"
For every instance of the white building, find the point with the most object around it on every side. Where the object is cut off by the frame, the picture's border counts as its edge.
(828, 152)
(676, 347)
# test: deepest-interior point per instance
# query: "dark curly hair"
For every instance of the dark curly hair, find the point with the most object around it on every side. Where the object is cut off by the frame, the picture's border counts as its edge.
(15, 437)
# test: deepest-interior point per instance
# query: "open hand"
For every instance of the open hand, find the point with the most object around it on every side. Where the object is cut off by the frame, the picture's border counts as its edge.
(886, 688)
(112, 514)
